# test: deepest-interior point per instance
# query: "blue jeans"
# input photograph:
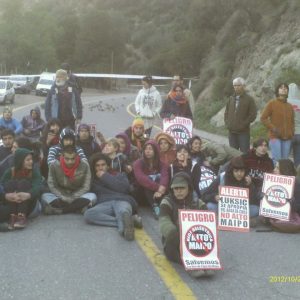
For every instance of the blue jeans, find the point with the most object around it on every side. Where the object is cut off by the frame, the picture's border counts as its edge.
(240, 141)
(296, 149)
(253, 209)
(280, 149)
(108, 213)
(47, 198)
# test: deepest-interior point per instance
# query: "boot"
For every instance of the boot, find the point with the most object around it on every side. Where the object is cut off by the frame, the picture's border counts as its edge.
(12, 220)
(21, 221)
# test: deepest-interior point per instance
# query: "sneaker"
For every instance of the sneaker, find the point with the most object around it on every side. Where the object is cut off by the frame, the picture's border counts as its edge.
(137, 221)
(11, 223)
(4, 227)
(128, 226)
(156, 211)
(50, 210)
(21, 221)
(197, 273)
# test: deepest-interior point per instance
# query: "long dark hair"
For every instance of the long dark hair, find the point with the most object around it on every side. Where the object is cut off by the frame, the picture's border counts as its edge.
(278, 87)
(236, 163)
(155, 160)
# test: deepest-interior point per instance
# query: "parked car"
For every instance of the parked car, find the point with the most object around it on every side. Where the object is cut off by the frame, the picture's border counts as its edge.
(21, 83)
(44, 84)
(7, 92)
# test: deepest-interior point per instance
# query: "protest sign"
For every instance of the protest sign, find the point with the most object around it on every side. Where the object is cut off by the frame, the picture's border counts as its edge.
(233, 209)
(198, 240)
(277, 190)
(93, 130)
(181, 129)
(206, 178)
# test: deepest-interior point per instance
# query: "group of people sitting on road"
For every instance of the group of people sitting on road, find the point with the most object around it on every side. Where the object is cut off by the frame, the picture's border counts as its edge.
(47, 167)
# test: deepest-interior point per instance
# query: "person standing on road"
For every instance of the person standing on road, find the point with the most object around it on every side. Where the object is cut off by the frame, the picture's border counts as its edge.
(179, 197)
(240, 112)
(63, 102)
(278, 116)
(176, 105)
(148, 103)
(178, 80)
(72, 79)
(69, 182)
(114, 204)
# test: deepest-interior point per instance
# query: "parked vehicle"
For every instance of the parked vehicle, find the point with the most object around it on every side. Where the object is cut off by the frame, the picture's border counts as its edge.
(21, 84)
(44, 84)
(7, 92)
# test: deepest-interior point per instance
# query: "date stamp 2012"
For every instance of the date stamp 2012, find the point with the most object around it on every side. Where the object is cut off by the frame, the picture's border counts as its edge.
(284, 279)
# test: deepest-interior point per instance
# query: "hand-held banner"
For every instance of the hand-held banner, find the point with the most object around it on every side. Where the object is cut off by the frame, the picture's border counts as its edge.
(181, 129)
(277, 190)
(233, 209)
(198, 240)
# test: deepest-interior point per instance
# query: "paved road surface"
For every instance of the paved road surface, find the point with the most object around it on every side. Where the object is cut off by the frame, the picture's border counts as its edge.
(60, 257)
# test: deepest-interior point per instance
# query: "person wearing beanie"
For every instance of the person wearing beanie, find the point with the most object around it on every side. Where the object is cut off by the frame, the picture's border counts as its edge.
(236, 175)
(63, 102)
(8, 122)
(33, 124)
(67, 137)
(278, 117)
(148, 103)
(69, 183)
(167, 148)
(176, 105)
(151, 175)
(21, 188)
(258, 162)
(180, 197)
(86, 141)
(137, 134)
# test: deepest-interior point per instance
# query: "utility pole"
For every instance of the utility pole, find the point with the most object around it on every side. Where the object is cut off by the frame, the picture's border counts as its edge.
(111, 67)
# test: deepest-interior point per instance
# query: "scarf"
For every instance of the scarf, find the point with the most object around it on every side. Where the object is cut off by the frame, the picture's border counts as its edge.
(178, 99)
(23, 173)
(69, 172)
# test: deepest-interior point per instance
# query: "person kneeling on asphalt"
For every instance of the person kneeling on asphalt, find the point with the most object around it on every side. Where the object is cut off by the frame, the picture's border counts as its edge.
(114, 204)
(180, 197)
(69, 183)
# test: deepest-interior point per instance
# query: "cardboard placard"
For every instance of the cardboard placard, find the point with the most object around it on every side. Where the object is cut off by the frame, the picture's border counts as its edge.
(233, 209)
(181, 129)
(198, 240)
(277, 190)
(207, 178)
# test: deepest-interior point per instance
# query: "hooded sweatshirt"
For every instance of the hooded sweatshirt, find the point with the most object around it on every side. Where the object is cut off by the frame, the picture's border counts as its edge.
(169, 156)
(148, 102)
(55, 151)
(144, 176)
(34, 125)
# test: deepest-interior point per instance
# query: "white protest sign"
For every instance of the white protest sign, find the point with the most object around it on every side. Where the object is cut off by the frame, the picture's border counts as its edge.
(277, 189)
(206, 179)
(233, 209)
(181, 129)
(93, 130)
(198, 240)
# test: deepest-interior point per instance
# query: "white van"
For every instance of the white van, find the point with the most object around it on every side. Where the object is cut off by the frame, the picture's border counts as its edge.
(44, 84)
(7, 92)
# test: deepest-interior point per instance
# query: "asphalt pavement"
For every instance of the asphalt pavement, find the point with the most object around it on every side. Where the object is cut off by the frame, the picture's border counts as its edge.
(61, 257)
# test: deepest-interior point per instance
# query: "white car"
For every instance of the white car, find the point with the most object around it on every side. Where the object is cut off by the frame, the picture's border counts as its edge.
(7, 92)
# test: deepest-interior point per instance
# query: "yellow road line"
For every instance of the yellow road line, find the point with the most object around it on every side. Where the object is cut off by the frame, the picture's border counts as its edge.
(168, 274)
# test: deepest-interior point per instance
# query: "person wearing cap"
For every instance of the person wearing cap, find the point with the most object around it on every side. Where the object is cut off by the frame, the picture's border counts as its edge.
(236, 175)
(176, 105)
(69, 182)
(63, 102)
(33, 124)
(86, 141)
(178, 80)
(8, 122)
(137, 134)
(179, 197)
(148, 103)
(21, 188)
(240, 112)
(72, 78)
(167, 147)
